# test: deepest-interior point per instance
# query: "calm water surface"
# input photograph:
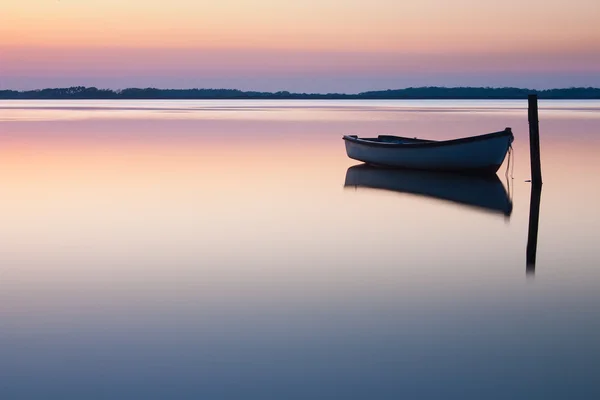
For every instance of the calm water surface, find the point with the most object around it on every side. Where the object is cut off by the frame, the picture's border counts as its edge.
(226, 250)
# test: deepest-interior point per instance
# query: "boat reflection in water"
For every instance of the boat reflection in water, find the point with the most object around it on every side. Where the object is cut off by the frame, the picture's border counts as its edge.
(485, 193)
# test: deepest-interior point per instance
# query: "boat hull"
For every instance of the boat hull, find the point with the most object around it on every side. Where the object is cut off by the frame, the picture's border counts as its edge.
(481, 154)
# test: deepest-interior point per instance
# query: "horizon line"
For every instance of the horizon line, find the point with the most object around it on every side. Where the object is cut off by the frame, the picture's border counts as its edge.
(411, 93)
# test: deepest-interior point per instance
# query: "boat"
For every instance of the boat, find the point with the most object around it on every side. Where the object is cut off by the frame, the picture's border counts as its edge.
(478, 154)
(482, 192)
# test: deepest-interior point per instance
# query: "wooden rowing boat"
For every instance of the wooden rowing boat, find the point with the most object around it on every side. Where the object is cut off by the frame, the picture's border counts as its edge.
(480, 154)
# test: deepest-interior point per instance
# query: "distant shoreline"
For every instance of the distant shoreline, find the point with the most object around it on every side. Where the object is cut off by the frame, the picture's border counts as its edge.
(417, 93)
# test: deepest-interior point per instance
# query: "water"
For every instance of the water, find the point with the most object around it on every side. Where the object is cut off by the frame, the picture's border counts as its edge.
(218, 250)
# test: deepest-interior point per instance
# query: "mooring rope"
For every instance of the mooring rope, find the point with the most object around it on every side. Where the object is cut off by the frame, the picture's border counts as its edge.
(510, 166)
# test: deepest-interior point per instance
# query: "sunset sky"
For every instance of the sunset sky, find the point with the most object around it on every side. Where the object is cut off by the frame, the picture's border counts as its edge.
(308, 45)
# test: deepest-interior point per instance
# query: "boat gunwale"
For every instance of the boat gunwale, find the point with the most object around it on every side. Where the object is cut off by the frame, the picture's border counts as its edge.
(425, 143)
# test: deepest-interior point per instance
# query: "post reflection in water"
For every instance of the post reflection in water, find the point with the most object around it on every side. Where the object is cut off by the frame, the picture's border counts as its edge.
(484, 193)
(534, 219)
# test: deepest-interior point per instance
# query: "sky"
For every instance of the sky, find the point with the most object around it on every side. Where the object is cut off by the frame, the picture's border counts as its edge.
(302, 46)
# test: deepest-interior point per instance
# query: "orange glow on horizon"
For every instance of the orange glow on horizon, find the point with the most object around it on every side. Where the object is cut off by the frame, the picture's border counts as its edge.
(427, 26)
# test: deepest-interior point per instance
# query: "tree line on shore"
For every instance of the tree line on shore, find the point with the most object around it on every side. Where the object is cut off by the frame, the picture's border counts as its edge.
(431, 92)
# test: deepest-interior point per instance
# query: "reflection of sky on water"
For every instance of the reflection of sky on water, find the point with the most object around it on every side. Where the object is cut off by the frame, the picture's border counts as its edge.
(282, 110)
(222, 257)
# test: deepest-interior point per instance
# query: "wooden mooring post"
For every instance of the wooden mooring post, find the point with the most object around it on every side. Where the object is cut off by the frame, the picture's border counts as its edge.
(536, 182)
(534, 140)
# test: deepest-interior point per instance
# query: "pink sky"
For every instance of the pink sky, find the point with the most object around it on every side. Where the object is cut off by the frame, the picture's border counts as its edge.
(312, 45)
